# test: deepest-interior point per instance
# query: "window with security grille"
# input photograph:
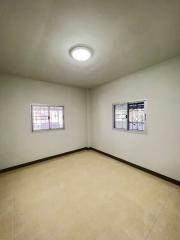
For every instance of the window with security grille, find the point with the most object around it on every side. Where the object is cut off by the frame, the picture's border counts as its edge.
(46, 117)
(136, 116)
(120, 116)
(129, 116)
(56, 117)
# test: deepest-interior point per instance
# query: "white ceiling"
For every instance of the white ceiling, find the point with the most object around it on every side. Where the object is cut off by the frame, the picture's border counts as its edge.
(126, 35)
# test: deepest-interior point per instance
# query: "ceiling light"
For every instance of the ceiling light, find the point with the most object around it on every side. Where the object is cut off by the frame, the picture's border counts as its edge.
(81, 53)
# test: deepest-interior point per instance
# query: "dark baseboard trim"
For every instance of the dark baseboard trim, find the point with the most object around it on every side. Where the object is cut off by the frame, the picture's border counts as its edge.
(41, 160)
(171, 180)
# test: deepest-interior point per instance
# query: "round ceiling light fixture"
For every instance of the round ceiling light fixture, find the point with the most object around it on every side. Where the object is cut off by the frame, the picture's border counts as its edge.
(81, 53)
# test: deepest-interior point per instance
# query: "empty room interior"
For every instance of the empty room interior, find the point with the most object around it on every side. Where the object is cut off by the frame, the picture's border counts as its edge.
(89, 120)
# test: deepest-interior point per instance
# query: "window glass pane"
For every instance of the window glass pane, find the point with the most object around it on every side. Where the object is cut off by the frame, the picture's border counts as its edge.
(136, 116)
(56, 117)
(120, 116)
(40, 117)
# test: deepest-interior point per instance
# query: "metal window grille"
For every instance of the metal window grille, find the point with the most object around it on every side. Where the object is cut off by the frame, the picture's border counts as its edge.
(120, 116)
(136, 116)
(56, 117)
(129, 116)
(46, 117)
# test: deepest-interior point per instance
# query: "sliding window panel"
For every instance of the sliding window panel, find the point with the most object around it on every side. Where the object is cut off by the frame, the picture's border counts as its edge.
(136, 116)
(120, 116)
(56, 114)
(40, 117)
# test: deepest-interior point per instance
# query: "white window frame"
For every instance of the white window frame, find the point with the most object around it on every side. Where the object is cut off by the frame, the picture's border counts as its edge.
(127, 122)
(46, 105)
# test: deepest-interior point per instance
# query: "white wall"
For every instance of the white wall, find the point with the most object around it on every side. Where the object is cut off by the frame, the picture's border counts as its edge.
(17, 143)
(88, 119)
(89, 113)
(159, 149)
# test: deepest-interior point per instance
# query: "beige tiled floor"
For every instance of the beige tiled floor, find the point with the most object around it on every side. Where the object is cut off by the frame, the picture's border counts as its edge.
(87, 196)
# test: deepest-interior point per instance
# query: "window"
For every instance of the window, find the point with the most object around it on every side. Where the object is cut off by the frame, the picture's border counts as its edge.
(46, 117)
(120, 116)
(130, 116)
(56, 117)
(136, 116)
